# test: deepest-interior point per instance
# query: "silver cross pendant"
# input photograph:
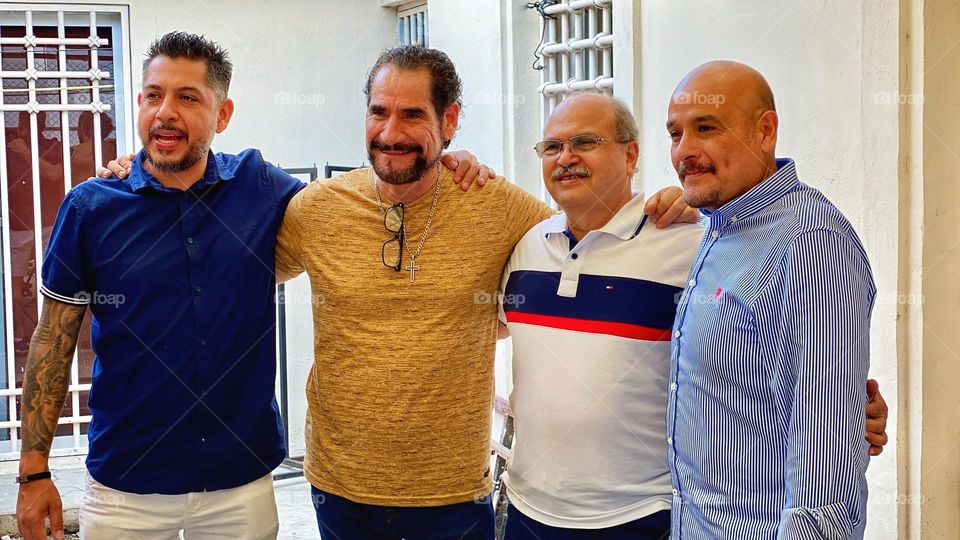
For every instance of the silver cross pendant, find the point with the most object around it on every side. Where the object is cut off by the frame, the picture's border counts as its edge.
(412, 267)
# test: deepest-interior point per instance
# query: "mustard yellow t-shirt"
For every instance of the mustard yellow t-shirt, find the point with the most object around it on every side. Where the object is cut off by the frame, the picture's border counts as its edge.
(400, 392)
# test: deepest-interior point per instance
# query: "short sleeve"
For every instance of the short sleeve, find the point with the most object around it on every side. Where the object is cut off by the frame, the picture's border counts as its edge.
(289, 255)
(64, 275)
(504, 279)
(523, 211)
(283, 185)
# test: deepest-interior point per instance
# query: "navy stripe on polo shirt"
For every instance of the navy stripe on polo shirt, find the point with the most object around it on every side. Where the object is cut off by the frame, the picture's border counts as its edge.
(603, 305)
(590, 323)
(180, 285)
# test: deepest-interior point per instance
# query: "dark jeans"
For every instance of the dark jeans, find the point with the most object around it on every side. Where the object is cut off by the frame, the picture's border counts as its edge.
(343, 519)
(652, 527)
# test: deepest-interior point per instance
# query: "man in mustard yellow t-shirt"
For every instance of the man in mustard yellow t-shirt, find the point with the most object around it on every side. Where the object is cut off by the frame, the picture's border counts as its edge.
(400, 393)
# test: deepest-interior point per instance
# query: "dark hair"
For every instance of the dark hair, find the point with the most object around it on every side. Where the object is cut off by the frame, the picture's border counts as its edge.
(445, 85)
(194, 47)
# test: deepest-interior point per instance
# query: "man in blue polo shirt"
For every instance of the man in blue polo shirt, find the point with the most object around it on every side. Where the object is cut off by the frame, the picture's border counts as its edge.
(182, 399)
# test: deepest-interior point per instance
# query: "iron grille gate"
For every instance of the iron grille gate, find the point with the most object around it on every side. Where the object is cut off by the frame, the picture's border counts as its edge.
(65, 105)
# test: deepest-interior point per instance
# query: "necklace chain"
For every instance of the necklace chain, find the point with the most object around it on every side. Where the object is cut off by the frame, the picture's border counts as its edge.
(426, 228)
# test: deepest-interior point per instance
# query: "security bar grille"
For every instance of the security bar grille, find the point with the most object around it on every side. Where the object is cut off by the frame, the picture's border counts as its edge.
(65, 106)
(577, 52)
(413, 26)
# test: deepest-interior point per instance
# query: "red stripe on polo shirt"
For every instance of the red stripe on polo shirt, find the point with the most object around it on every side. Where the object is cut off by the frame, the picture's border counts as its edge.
(632, 331)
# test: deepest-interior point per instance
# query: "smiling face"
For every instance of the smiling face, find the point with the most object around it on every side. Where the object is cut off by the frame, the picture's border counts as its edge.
(179, 115)
(723, 133)
(594, 181)
(404, 134)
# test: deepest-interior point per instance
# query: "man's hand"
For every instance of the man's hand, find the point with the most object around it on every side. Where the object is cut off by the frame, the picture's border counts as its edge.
(876, 411)
(39, 499)
(667, 206)
(467, 168)
(119, 167)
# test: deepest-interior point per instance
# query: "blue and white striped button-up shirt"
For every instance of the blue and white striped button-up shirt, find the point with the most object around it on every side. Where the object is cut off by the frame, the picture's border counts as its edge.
(771, 347)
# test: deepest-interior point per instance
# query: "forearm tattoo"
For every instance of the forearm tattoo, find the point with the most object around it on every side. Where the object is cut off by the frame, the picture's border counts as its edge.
(47, 376)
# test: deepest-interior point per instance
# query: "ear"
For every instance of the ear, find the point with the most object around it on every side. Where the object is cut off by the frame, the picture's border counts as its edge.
(633, 154)
(224, 114)
(451, 117)
(139, 98)
(767, 126)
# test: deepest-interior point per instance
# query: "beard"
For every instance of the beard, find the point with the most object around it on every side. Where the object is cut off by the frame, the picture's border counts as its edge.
(707, 199)
(196, 151)
(704, 198)
(407, 175)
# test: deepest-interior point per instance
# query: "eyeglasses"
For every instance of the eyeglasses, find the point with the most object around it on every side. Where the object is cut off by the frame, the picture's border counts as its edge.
(392, 250)
(577, 144)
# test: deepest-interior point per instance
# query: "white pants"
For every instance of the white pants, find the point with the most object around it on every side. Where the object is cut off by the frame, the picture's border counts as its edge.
(247, 511)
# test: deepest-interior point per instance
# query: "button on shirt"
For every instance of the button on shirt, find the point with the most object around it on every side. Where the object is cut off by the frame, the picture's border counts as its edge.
(769, 363)
(181, 288)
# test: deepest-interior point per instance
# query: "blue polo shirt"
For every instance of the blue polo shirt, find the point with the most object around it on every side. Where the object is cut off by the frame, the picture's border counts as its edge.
(181, 288)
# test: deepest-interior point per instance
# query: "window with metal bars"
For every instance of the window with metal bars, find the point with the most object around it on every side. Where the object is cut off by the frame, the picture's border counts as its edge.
(577, 50)
(413, 28)
(65, 103)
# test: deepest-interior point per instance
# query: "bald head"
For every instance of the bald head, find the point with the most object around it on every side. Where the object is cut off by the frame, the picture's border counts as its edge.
(739, 85)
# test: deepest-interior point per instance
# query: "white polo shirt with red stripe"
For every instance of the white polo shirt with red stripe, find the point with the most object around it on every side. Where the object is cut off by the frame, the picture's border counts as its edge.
(591, 322)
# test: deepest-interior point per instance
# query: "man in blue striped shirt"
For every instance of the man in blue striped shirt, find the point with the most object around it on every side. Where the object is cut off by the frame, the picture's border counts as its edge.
(771, 341)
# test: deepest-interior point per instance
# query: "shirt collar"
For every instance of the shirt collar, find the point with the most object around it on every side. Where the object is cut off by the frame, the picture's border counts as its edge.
(625, 224)
(759, 196)
(217, 170)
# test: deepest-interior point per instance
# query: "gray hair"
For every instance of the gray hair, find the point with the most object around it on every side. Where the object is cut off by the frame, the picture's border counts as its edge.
(626, 129)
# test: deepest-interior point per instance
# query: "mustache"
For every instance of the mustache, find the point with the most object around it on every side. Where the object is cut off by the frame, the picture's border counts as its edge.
(377, 144)
(167, 127)
(693, 168)
(577, 169)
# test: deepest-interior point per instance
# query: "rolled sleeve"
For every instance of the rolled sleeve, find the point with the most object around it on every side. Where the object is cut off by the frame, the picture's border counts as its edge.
(827, 311)
(64, 275)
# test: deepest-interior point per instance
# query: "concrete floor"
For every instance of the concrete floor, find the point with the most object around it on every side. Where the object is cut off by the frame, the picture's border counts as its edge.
(294, 507)
(298, 521)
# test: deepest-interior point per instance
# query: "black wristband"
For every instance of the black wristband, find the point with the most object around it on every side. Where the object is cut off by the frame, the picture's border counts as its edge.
(31, 477)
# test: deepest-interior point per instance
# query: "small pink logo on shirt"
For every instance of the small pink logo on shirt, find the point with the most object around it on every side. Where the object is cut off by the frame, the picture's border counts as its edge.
(718, 293)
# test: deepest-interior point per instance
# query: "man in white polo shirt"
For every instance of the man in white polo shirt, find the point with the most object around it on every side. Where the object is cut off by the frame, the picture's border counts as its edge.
(589, 297)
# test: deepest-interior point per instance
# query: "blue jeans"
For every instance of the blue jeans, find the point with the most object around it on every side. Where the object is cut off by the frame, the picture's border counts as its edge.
(343, 519)
(653, 527)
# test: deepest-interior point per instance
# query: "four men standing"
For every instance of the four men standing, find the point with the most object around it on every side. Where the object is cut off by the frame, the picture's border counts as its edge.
(400, 392)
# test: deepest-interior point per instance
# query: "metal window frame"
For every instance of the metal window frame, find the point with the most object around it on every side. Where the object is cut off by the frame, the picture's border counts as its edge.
(63, 15)
(413, 26)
